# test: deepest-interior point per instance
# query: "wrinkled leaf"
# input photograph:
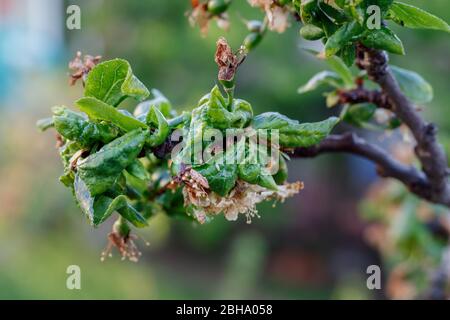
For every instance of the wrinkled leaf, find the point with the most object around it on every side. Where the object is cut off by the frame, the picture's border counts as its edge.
(76, 127)
(291, 132)
(155, 119)
(221, 180)
(100, 170)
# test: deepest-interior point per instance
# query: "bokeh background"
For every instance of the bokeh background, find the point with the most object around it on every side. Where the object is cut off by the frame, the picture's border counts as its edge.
(312, 246)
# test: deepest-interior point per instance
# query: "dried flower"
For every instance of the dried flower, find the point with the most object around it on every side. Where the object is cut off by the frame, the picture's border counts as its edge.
(81, 67)
(242, 199)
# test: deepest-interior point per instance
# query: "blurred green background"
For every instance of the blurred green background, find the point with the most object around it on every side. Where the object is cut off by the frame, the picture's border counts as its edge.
(309, 247)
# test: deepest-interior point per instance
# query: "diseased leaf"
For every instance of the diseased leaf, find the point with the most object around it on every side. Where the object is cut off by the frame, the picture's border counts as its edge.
(155, 119)
(383, 39)
(416, 88)
(412, 17)
(321, 78)
(291, 132)
(112, 81)
(221, 178)
(76, 127)
(100, 170)
(308, 134)
(97, 109)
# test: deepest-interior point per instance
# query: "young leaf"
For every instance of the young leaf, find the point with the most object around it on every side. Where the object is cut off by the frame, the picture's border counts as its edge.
(359, 114)
(384, 39)
(321, 78)
(112, 81)
(342, 70)
(416, 88)
(97, 109)
(412, 17)
(345, 35)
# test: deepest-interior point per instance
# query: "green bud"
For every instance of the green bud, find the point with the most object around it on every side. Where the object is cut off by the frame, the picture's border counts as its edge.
(311, 32)
(217, 7)
(252, 40)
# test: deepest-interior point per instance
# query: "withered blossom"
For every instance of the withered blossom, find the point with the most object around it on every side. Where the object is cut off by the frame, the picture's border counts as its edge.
(242, 199)
(201, 17)
(81, 67)
(277, 16)
(227, 61)
(124, 243)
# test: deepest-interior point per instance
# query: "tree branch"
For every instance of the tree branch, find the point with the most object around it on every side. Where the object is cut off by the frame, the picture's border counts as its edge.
(387, 166)
(430, 153)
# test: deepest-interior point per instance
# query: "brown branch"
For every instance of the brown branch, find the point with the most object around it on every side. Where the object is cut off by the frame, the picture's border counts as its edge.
(430, 153)
(362, 95)
(387, 166)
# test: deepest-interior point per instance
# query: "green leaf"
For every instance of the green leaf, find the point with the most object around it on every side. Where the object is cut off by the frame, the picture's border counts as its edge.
(345, 35)
(101, 170)
(291, 132)
(383, 4)
(99, 110)
(359, 114)
(44, 124)
(76, 127)
(112, 81)
(308, 134)
(348, 54)
(321, 78)
(99, 209)
(137, 169)
(218, 116)
(416, 88)
(155, 119)
(383, 39)
(342, 70)
(221, 178)
(412, 17)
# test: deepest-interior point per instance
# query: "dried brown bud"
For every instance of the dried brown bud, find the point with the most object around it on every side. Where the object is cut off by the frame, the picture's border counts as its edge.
(227, 61)
(81, 67)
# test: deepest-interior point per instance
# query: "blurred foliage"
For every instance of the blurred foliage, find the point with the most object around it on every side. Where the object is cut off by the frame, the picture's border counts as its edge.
(299, 247)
